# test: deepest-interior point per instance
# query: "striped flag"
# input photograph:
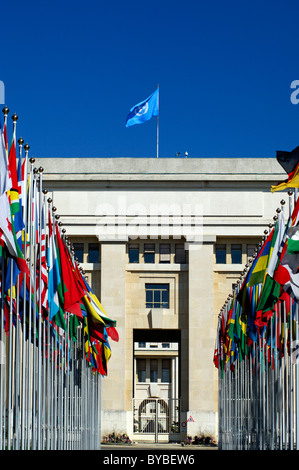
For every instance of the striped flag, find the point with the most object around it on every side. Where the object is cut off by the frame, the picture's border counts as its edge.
(54, 276)
(3, 165)
(42, 289)
(13, 176)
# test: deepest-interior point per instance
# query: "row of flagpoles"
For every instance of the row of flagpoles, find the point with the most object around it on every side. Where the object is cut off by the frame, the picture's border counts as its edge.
(256, 343)
(54, 332)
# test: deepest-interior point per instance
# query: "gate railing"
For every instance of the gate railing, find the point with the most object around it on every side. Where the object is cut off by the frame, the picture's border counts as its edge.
(156, 415)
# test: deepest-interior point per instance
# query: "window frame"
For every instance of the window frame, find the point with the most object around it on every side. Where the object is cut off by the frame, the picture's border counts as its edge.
(137, 252)
(164, 253)
(157, 295)
(237, 252)
(149, 254)
(223, 250)
(97, 250)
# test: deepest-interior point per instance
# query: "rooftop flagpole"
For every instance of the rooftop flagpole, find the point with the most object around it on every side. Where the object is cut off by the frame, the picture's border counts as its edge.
(158, 124)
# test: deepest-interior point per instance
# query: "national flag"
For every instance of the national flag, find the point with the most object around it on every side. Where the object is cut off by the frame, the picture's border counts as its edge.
(72, 291)
(229, 340)
(251, 327)
(73, 325)
(8, 235)
(54, 275)
(240, 332)
(144, 110)
(260, 264)
(4, 182)
(271, 288)
(95, 309)
(292, 181)
(217, 347)
(288, 160)
(112, 333)
(287, 273)
(41, 264)
(293, 240)
(13, 176)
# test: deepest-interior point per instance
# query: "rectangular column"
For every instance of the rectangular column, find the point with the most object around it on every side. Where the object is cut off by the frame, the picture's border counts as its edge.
(113, 262)
(201, 331)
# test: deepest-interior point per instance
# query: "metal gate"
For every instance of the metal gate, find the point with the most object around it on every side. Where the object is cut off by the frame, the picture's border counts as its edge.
(156, 416)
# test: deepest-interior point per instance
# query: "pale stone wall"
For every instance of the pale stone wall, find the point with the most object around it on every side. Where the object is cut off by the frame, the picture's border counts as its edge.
(235, 205)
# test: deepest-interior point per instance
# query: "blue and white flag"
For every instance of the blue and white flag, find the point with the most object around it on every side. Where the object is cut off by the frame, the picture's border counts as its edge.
(143, 111)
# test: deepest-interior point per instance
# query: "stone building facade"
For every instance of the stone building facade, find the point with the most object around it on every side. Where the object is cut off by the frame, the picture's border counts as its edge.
(162, 242)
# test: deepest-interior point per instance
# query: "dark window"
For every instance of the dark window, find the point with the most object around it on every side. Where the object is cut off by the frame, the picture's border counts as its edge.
(180, 253)
(164, 253)
(165, 370)
(149, 253)
(154, 370)
(133, 253)
(157, 295)
(220, 254)
(250, 251)
(236, 251)
(79, 251)
(141, 344)
(93, 253)
(141, 370)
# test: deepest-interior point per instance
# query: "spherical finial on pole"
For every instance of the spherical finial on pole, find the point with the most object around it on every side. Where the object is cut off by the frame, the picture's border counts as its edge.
(49, 200)
(32, 160)
(5, 110)
(21, 141)
(14, 117)
(26, 147)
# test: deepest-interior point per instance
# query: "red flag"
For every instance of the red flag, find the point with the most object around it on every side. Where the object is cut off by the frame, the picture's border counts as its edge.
(73, 292)
(112, 332)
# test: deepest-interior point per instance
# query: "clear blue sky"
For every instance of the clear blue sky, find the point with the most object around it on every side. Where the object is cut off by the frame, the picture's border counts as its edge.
(72, 71)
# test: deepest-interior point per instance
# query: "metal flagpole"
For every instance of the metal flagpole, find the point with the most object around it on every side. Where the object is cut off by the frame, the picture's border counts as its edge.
(18, 355)
(158, 122)
(50, 427)
(3, 390)
(297, 382)
(23, 413)
(39, 319)
(11, 336)
(33, 263)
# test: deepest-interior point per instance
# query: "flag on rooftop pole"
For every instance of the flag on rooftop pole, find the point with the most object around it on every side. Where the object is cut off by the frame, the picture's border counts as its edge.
(144, 111)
